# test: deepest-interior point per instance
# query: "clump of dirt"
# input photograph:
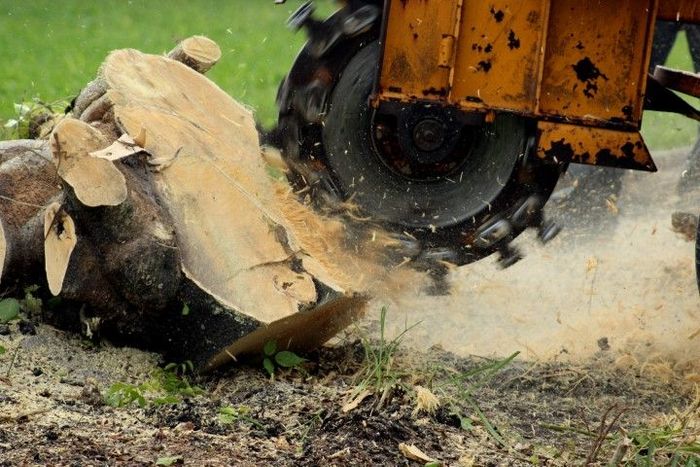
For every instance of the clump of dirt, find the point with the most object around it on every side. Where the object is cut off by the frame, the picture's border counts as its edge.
(52, 409)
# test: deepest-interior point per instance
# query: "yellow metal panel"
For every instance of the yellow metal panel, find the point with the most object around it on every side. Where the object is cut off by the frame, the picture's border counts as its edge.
(417, 34)
(595, 65)
(499, 56)
(594, 146)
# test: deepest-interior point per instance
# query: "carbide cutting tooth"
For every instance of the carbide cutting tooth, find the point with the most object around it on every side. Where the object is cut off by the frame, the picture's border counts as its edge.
(302, 17)
(529, 214)
(547, 231)
(509, 255)
(493, 232)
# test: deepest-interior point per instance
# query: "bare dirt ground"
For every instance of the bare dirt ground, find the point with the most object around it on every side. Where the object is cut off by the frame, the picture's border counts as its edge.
(52, 411)
(609, 350)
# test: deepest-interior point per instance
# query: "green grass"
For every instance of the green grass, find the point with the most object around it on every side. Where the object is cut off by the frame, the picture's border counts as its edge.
(51, 49)
(378, 373)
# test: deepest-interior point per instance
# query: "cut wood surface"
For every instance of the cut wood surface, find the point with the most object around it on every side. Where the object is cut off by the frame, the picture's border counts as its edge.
(231, 235)
(61, 238)
(94, 180)
(197, 52)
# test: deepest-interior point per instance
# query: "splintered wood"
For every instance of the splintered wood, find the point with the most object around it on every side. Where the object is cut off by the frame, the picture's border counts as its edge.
(165, 201)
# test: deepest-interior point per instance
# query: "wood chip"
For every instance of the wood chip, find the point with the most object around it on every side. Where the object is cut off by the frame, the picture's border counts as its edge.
(125, 146)
(413, 453)
(426, 401)
(355, 403)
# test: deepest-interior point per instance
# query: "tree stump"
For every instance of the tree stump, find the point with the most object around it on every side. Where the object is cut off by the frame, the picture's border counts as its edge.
(159, 217)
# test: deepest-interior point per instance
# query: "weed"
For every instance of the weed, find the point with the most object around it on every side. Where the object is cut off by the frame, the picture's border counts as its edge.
(675, 442)
(9, 310)
(304, 429)
(30, 113)
(10, 307)
(379, 373)
(273, 359)
(124, 394)
(2, 350)
(31, 305)
(167, 461)
(181, 369)
(466, 384)
(229, 415)
(166, 385)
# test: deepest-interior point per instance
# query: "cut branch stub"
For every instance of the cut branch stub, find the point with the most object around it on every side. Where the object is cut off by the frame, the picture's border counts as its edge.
(95, 181)
(88, 95)
(303, 331)
(60, 240)
(197, 52)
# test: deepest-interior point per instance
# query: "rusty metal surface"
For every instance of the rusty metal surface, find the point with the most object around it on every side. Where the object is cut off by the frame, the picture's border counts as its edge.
(595, 65)
(679, 10)
(566, 62)
(563, 60)
(414, 49)
(594, 146)
(499, 58)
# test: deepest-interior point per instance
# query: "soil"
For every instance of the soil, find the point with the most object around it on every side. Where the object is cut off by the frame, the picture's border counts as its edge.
(53, 411)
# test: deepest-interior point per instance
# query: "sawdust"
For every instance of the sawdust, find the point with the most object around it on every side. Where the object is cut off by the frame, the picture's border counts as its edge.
(358, 260)
(629, 291)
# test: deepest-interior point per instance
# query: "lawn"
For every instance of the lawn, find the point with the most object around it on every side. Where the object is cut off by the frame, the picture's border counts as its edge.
(51, 49)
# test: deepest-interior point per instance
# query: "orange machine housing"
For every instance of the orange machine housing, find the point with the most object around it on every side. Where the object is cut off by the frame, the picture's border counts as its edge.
(578, 68)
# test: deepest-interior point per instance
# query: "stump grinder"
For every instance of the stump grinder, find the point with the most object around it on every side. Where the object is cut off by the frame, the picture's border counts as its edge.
(449, 122)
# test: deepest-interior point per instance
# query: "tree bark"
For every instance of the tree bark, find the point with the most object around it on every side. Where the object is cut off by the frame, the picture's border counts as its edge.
(28, 182)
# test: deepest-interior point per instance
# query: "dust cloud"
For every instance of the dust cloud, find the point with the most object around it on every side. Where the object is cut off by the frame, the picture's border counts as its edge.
(627, 291)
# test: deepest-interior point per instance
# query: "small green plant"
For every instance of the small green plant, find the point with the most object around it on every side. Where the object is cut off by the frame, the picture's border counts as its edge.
(11, 307)
(9, 310)
(272, 359)
(181, 369)
(674, 442)
(378, 372)
(31, 304)
(466, 384)
(168, 385)
(2, 350)
(27, 112)
(229, 415)
(124, 394)
(167, 461)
